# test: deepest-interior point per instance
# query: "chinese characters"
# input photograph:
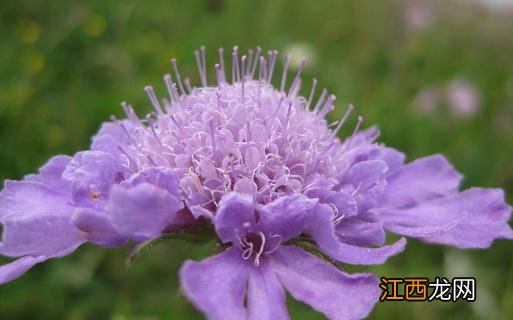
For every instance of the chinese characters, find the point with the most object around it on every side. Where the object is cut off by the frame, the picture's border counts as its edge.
(421, 289)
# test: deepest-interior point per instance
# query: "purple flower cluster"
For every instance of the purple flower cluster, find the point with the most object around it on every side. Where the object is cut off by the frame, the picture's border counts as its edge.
(262, 168)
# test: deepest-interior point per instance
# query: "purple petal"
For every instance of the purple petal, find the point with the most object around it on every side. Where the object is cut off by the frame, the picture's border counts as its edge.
(471, 219)
(365, 173)
(322, 230)
(36, 221)
(236, 213)
(368, 181)
(97, 228)
(92, 166)
(143, 211)
(361, 231)
(17, 268)
(107, 144)
(50, 174)
(162, 177)
(322, 286)
(285, 216)
(344, 203)
(393, 158)
(421, 180)
(92, 174)
(266, 296)
(217, 285)
(114, 133)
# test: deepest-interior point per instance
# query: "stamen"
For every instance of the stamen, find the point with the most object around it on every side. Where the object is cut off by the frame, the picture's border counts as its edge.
(177, 76)
(221, 63)
(255, 62)
(219, 75)
(246, 254)
(235, 65)
(218, 95)
(199, 64)
(204, 63)
(125, 131)
(298, 75)
(261, 249)
(328, 106)
(273, 56)
(169, 86)
(260, 75)
(153, 98)
(152, 130)
(187, 83)
(130, 113)
(321, 100)
(178, 126)
(288, 113)
(356, 128)
(243, 76)
(285, 70)
(312, 92)
(282, 98)
(343, 120)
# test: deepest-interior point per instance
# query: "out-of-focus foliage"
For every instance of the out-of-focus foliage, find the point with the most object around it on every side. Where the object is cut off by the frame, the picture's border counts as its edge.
(66, 65)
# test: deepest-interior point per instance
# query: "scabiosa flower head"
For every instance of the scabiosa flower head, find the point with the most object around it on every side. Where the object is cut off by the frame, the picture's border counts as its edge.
(261, 166)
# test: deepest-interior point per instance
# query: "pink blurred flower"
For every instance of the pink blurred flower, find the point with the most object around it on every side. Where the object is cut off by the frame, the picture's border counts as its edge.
(419, 15)
(463, 98)
(427, 99)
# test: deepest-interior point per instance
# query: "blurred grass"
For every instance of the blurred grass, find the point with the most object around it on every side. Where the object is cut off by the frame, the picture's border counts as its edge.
(66, 65)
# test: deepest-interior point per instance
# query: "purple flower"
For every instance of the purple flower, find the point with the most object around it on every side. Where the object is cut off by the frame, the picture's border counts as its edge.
(257, 267)
(261, 167)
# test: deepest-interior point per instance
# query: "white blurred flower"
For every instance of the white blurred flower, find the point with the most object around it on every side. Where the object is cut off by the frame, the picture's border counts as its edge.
(300, 50)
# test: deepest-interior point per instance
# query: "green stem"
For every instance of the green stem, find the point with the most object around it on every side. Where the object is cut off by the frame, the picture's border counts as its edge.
(309, 245)
(197, 235)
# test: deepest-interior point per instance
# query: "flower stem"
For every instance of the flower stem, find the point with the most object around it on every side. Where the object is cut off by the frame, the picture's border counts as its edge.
(308, 245)
(201, 234)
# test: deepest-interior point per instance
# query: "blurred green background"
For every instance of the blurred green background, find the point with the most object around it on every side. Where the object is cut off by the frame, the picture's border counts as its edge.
(437, 76)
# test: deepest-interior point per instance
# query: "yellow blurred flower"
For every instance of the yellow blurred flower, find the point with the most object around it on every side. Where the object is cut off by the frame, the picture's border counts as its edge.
(94, 25)
(32, 62)
(28, 32)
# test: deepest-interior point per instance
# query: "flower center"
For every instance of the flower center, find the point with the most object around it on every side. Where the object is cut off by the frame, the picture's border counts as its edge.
(252, 246)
